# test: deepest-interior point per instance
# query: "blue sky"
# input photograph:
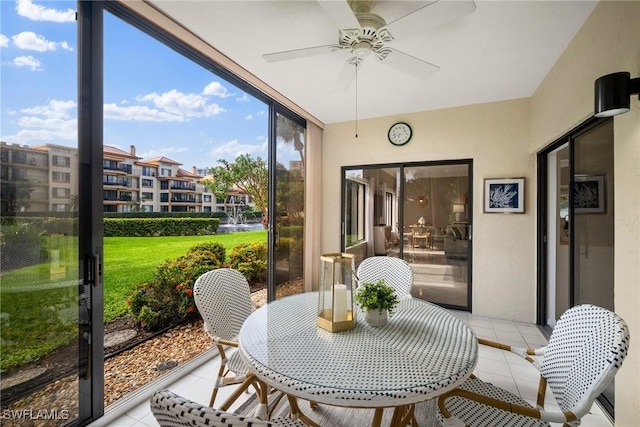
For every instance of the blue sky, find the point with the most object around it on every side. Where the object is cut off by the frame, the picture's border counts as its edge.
(154, 98)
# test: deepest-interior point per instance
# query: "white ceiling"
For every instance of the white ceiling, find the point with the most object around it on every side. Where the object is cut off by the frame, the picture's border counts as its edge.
(502, 50)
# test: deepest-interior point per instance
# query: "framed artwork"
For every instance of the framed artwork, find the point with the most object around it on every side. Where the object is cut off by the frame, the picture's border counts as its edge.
(504, 195)
(588, 194)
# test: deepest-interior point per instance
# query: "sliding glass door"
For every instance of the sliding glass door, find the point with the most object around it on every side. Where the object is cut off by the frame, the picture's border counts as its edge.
(576, 203)
(419, 212)
(287, 179)
(51, 293)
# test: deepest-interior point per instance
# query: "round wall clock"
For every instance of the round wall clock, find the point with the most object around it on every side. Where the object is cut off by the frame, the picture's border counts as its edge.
(399, 133)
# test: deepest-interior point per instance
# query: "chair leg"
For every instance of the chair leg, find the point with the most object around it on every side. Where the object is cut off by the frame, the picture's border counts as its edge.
(262, 411)
(237, 392)
(221, 373)
(296, 413)
(377, 418)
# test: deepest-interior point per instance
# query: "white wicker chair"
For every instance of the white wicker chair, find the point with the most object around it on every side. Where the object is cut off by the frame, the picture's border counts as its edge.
(171, 410)
(224, 301)
(586, 349)
(396, 273)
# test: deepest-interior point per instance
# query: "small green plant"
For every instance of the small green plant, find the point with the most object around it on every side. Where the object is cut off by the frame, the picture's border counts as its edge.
(378, 295)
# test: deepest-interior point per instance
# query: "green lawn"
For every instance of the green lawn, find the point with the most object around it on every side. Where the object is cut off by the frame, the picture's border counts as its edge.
(129, 260)
(39, 302)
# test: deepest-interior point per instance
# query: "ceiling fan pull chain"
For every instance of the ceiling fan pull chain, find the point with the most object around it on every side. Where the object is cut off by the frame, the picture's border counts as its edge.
(356, 99)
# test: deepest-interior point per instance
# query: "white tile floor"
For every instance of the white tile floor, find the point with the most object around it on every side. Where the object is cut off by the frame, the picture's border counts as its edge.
(501, 368)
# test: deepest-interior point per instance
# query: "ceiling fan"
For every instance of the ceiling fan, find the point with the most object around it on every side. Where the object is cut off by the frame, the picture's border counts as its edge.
(363, 33)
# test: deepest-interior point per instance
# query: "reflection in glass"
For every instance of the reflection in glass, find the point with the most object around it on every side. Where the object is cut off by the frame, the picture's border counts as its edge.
(416, 212)
(39, 268)
(289, 209)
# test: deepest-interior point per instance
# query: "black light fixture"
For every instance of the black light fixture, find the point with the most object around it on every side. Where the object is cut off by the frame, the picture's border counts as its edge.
(613, 92)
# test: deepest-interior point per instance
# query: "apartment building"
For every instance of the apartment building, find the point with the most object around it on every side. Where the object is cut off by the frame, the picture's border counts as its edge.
(43, 178)
(38, 178)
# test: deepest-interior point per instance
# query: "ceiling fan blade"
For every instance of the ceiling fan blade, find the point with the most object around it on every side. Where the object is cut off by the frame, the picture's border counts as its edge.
(340, 13)
(409, 64)
(431, 15)
(286, 55)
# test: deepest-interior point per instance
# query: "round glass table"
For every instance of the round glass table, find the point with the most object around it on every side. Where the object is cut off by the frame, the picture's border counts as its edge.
(422, 352)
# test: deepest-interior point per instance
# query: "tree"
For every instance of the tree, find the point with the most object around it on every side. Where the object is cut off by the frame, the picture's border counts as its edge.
(15, 197)
(246, 174)
(291, 133)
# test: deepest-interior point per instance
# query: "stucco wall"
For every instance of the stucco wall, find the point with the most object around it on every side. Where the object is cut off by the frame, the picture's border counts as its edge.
(502, 139)
(495, 136)
(608, 42)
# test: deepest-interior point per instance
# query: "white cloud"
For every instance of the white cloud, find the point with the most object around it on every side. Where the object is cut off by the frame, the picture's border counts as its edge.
(249, 117)
(166, 151)
(139, 113)
(36, 12)
(185, 104)
(233, 149)
(243, 98)
(216, 89)
(54, 109)
(47, 123)
(27, 61)
(51, 122)
(33, 136)
(29, 40)
(4, 40)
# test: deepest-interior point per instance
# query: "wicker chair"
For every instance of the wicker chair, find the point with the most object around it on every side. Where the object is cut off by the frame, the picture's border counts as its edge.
(224, 301)
(586, 349)
(396, 273)
(171, 410)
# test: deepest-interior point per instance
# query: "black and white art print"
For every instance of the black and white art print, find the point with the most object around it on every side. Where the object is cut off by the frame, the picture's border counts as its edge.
(504, 195)
(588, 194)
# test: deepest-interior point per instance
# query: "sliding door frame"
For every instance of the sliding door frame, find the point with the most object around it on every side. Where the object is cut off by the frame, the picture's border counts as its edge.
(402, 166)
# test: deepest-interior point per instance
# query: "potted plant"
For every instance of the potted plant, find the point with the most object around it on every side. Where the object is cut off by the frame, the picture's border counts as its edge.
(377, 300)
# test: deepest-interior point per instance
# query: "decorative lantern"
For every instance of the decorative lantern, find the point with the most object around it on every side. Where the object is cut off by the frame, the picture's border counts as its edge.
(336, 292)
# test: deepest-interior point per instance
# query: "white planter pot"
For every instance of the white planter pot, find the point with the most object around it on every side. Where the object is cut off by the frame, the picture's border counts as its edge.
(376, 317)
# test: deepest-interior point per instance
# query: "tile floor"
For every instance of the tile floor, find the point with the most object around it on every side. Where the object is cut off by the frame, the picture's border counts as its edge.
(501, 368)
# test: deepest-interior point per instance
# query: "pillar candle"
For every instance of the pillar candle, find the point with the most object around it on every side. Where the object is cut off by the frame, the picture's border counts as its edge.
(340, 303)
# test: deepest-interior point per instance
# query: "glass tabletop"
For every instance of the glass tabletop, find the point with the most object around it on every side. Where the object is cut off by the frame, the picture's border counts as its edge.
(420, 353)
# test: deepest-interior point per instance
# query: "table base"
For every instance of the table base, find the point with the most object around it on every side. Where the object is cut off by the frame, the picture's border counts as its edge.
(402, 415)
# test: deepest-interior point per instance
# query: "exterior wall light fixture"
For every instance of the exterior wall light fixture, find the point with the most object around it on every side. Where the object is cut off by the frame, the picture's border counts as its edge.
(612, 93)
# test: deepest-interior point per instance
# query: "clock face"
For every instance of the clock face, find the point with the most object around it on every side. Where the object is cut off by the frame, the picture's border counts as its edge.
(399, 133)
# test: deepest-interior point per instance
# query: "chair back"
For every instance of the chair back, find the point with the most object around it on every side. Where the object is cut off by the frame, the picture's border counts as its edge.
(171, 410)
(585, 350)
(224, 301)
(396, 273)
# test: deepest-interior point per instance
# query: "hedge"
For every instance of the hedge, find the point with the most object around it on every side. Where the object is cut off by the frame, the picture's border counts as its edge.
(145, 227)
(164, 215)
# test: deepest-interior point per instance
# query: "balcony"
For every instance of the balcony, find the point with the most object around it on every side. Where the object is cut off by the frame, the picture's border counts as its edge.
(184, 200)
(183, 187)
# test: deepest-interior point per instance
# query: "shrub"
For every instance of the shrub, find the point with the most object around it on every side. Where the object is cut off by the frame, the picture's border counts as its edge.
(168, 298)
(217, 248)
(251, 260)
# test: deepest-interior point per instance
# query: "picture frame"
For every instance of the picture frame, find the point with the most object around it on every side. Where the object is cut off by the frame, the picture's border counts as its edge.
(589, 194)
(504, 195)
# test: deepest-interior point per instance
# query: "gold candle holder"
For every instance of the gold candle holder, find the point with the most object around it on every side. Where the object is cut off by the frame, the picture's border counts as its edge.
(336, 292)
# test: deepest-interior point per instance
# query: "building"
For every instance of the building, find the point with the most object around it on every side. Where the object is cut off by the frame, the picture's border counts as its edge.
(43, 178)
(39, 178)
